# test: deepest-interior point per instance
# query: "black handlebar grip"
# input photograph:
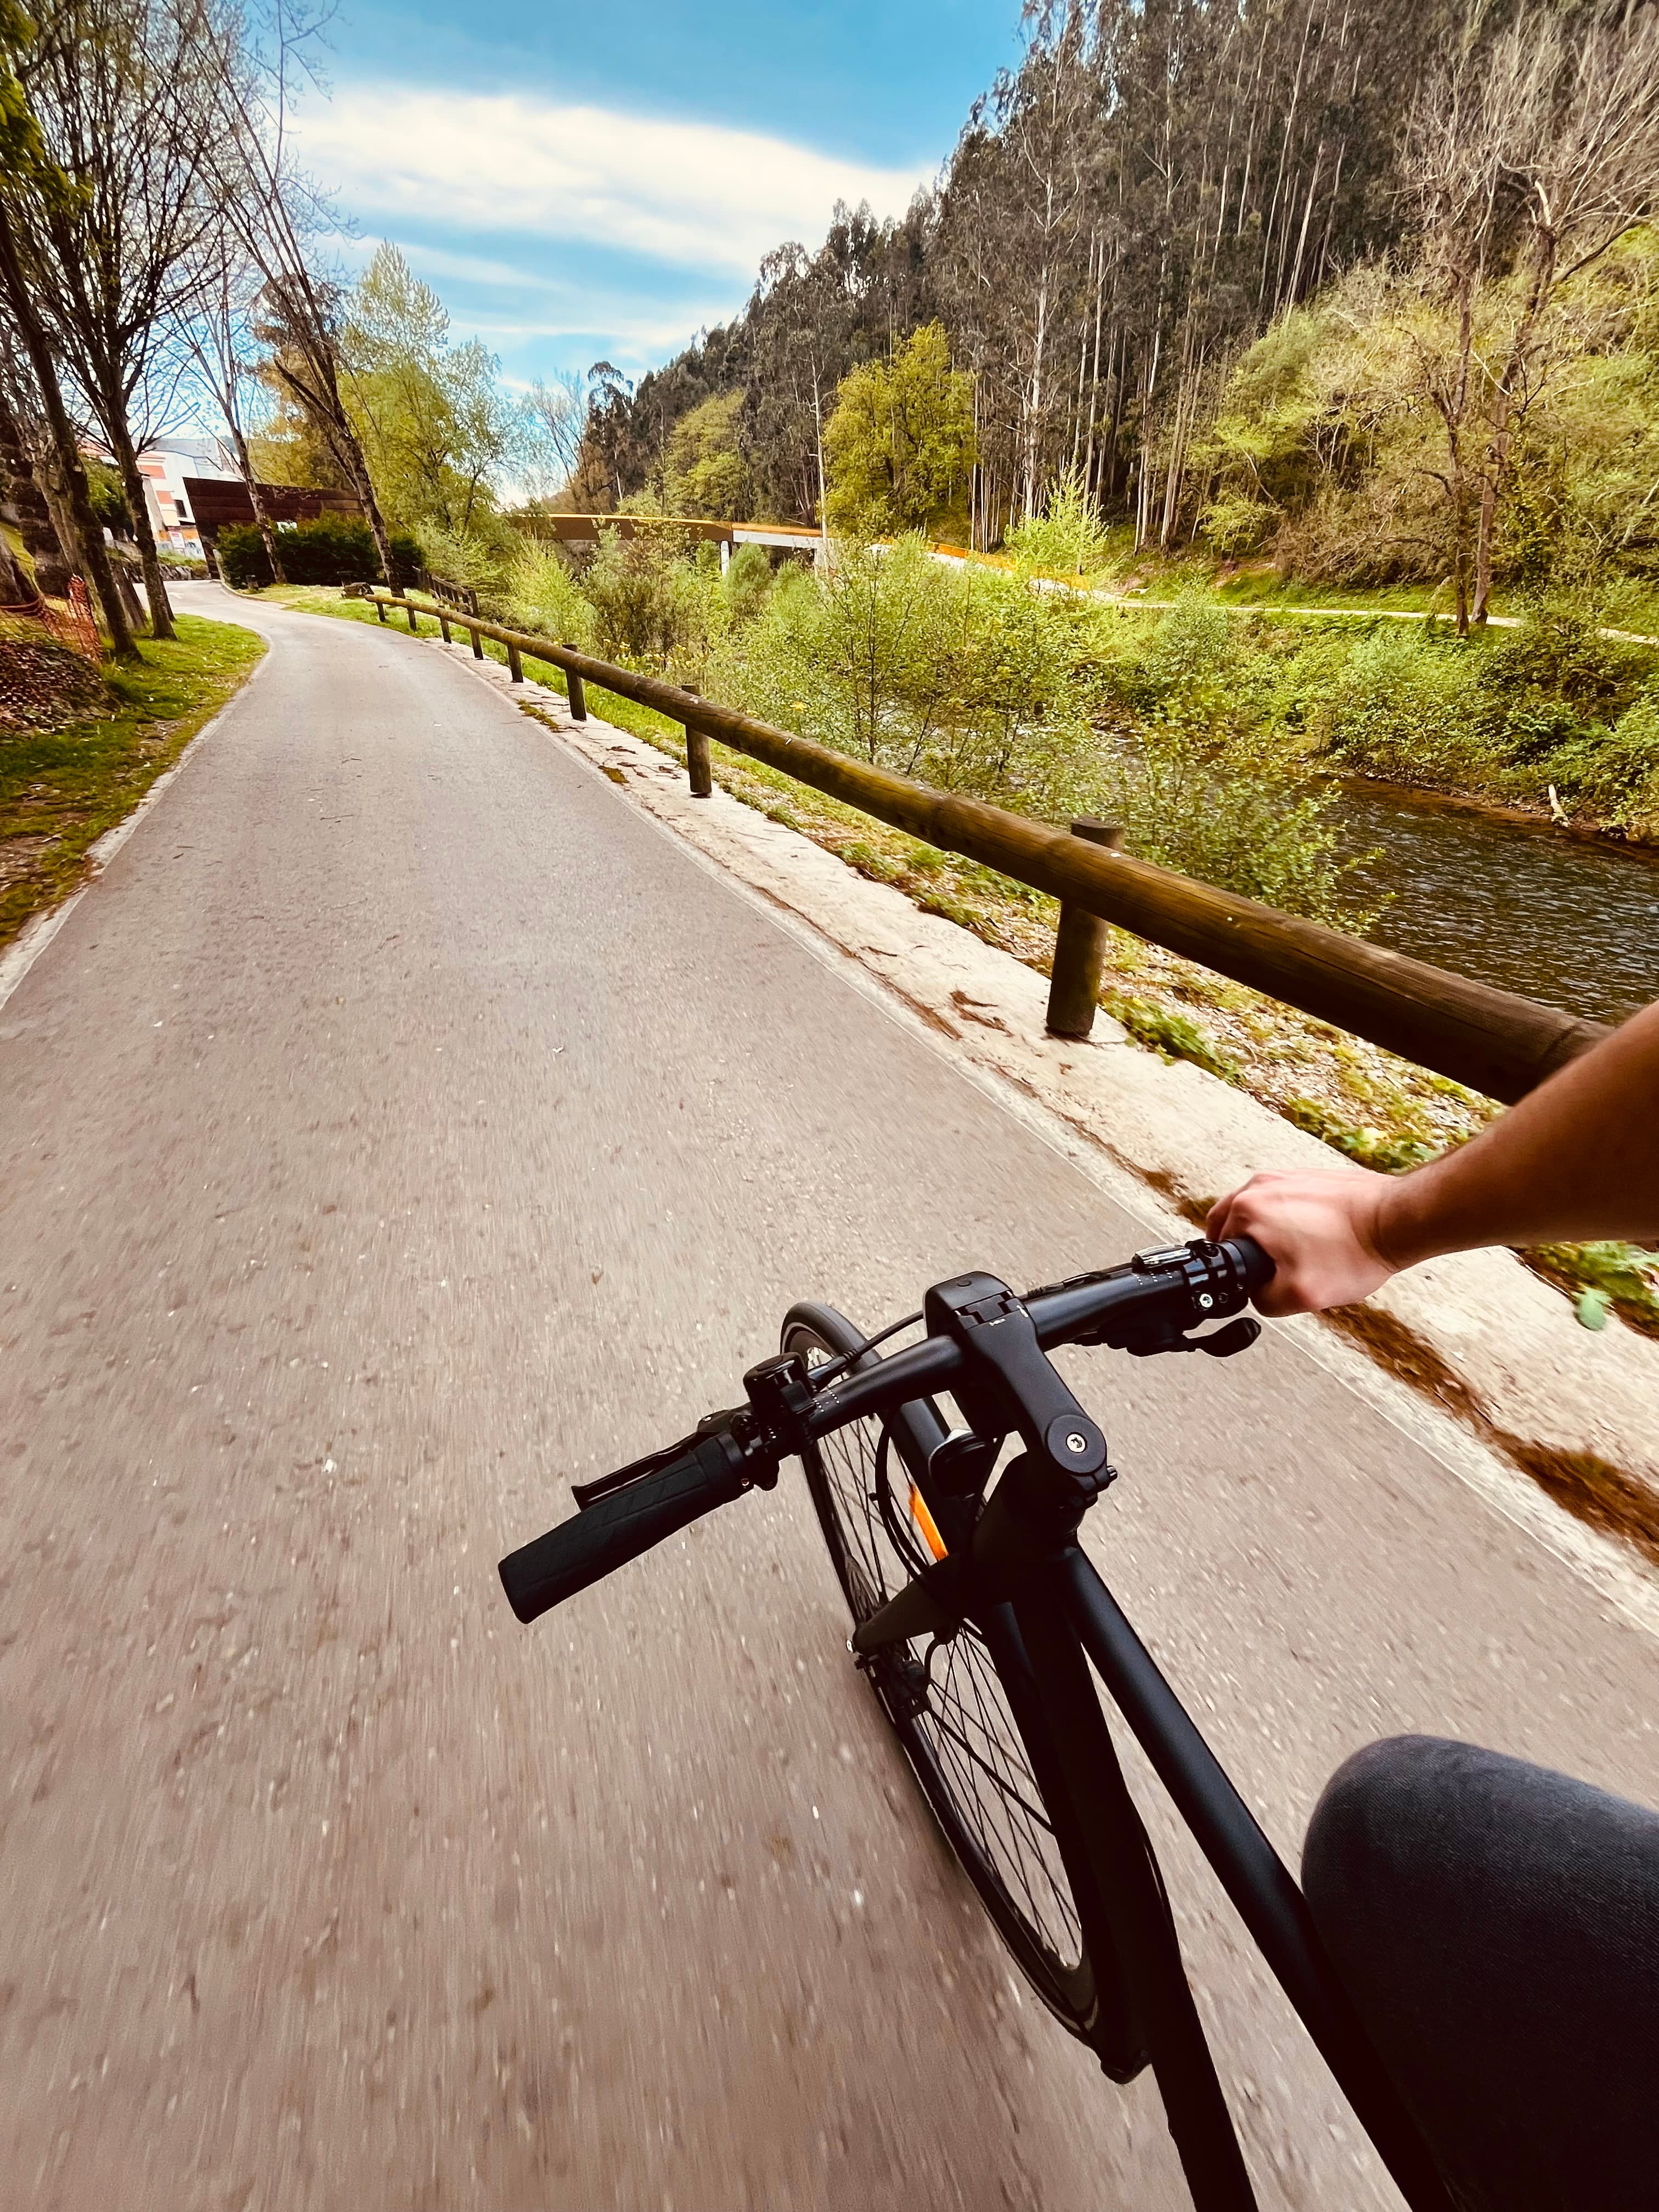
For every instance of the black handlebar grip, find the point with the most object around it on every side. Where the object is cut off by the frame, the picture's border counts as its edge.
(1259, 1269)
(618, 1529)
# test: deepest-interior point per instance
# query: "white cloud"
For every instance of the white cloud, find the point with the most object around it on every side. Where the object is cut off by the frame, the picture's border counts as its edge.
(690, 193)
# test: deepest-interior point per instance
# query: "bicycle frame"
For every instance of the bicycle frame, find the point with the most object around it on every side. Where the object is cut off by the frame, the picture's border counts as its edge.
(1024, 1553)
(1068, 1619)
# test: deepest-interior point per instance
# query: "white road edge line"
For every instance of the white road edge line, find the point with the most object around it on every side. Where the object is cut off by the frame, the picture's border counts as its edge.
(15, 963)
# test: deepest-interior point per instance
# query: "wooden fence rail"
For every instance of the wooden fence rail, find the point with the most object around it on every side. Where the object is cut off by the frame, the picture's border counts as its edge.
(1494, 1041)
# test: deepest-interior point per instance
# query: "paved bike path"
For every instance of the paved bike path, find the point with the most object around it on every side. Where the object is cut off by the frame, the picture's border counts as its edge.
(403, 1124)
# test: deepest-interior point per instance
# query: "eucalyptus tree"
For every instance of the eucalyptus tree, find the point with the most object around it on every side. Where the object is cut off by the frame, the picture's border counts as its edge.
(1532, 153)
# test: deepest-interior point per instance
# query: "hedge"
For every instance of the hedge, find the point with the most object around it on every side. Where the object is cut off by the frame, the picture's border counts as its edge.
(335, 548)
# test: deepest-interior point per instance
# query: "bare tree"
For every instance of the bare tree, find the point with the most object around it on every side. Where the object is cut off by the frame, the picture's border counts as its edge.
(221, 342)
(24, 171)
(556, 408)
(117, 88)
(1530, 156)
(65, 446)
(273, 212)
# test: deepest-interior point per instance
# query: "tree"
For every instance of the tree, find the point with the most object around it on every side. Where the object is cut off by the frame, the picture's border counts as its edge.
(117, 88)
(273, 213)
(221, 342)
(556, 411)
(26, 177)
(901, 440)
(704, 474)
(1531, 153)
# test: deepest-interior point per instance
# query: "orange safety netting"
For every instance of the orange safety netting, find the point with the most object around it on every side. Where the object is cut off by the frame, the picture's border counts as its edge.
(72, 624)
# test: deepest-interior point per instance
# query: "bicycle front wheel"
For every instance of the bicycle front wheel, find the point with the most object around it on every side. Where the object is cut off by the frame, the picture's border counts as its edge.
(948, 1702)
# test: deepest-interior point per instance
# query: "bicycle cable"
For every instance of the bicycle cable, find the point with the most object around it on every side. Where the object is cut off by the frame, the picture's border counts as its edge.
(832, 1368)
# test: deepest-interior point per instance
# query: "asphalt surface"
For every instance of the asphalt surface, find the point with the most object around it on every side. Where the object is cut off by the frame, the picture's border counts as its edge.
(402, 1125)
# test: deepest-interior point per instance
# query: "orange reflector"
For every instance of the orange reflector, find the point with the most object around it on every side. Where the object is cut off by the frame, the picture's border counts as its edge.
(924, 1521)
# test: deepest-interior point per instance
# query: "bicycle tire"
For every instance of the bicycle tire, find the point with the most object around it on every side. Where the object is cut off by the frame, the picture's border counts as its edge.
(973, 1762)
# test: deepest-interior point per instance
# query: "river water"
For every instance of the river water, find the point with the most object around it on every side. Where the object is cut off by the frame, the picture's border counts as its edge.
(1570, 920)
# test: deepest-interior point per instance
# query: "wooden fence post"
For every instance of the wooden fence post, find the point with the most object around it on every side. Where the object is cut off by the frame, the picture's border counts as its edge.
(477, 646)
(414, 626)
(443, 628)
(578, 697)
(1080, 949)
(514, 664)
(379, 609)
(699, 768)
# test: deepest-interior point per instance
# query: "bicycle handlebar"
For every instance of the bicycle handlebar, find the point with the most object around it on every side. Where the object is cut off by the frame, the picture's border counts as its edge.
(615, 1530)
(1144, 1306)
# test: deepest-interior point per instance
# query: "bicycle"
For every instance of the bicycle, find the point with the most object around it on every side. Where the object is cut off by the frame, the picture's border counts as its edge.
(976, 1618)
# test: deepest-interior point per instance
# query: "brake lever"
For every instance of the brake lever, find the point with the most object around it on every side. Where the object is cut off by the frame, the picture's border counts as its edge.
(1238, 1336)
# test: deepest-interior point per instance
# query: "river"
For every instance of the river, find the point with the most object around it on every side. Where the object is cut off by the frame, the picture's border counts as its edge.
(1573, 921)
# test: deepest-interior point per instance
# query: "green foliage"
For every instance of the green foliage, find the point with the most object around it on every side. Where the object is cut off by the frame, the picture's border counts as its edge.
(1207, 777)
(437, 430)
(1177, 1037)
(1608, 1275)
(1398, 707)
(704, 473)
(543, 593)
(748, 582)
(1392, 1154)
(656, 602)
(900, 443)
(334, 548)
(1069, 539)
(953, 674)
(109, 500)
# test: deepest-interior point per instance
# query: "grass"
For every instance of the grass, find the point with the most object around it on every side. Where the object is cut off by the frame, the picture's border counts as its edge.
(61, 790)
(1364, 1103)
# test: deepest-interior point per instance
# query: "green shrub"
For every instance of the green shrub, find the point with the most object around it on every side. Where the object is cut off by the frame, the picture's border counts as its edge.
(748, 582)
(1400, 706)
(1614, 775)
(544, 594)
(1209, 784)
(334, 548)
(653, 604)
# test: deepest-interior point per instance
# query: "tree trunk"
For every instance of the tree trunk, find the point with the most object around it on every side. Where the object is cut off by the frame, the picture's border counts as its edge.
(16, 590)
(256, 496)
(67, 453)
(150, 557)
(1503, 421)
(41, 541)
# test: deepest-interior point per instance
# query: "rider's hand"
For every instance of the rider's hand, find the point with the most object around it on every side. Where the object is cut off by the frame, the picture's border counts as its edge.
(1320, 1230)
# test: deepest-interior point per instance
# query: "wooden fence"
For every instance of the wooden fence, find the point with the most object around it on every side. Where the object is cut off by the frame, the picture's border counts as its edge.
(1493, 1041)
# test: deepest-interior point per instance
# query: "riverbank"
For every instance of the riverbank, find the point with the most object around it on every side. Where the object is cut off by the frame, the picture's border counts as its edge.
(62, 789)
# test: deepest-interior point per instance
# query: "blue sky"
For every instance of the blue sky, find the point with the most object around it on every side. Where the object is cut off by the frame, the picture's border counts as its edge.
(602, 179)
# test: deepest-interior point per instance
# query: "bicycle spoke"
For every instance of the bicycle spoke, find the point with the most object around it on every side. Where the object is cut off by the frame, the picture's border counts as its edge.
(965, 1731)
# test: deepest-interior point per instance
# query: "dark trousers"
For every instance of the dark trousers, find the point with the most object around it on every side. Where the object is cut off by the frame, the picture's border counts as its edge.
(1498, 1926)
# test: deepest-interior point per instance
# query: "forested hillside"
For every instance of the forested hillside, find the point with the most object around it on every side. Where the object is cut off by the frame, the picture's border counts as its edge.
(1358, 283)
(1141, 195)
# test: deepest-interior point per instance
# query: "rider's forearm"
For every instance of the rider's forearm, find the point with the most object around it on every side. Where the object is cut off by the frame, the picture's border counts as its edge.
(1577, 1159)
